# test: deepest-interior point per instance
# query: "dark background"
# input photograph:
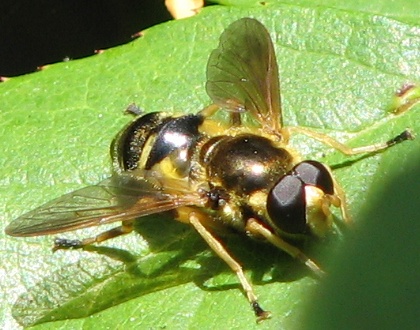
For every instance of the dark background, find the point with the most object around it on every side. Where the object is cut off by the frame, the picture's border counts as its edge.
(35, 33)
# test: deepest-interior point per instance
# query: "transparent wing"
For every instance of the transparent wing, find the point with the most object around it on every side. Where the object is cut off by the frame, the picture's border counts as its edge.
(242, 73)
(115, 199)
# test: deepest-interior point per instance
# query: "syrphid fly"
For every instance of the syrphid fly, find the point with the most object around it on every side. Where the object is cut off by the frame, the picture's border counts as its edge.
(238, 175)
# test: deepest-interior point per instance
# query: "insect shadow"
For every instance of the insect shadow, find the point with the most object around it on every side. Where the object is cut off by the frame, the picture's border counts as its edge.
(177, 256)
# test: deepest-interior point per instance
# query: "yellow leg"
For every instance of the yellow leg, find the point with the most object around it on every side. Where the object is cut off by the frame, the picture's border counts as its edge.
(220, 250)
(235, 117)
(257, 229)
(333, 143)
(339, 192)
(406, 98)
(63, 243)
(209, 111)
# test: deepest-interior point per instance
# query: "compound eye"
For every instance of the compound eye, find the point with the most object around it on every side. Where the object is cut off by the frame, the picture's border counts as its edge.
(286, 205)
(315, 174)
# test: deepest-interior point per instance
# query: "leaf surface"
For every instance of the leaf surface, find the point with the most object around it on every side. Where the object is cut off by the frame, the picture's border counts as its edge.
(339, 70)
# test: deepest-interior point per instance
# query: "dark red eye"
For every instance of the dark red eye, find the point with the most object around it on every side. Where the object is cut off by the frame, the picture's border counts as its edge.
(315, 174)
(286, 201)
(286, 205)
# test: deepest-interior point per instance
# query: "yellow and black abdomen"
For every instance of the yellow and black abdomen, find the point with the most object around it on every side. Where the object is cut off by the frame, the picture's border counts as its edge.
(157, 139)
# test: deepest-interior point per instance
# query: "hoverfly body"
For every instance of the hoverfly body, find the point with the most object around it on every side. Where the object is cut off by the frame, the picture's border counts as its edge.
(209, 174)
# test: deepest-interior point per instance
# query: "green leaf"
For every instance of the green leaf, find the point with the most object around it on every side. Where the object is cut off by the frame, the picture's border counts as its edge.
(339, 70)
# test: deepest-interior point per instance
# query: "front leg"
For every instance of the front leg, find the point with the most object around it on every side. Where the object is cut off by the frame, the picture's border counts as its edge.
(197, 219)
(256, 229)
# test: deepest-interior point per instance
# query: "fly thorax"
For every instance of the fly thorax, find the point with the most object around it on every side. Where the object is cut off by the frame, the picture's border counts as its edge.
(245, 163)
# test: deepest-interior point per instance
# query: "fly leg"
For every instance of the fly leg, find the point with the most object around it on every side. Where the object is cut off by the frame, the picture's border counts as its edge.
(63, 243)
(234, 116)
(333, 143)
(196, 220)
(209, 111)
(258, 230)
(405, 98)
(342, 202)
